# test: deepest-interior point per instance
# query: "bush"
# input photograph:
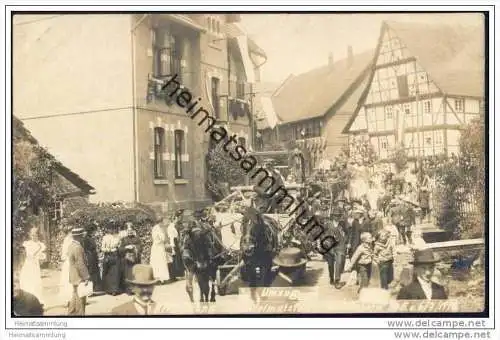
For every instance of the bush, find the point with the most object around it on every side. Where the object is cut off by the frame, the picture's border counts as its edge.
(223, 168)
(461, 182)
(100, 216)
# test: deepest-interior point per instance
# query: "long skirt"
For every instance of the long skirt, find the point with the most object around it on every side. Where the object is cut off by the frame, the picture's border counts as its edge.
(95, 277)
(112, 273)
(159, 261)
(30, 278)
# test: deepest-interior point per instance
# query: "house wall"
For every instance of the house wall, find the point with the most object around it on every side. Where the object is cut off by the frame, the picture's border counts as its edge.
(335, 139)
(207, 53)
(404, 105)
(96, 146)
(70, 64)
(98, 116)
(359, 123)
(72, 80)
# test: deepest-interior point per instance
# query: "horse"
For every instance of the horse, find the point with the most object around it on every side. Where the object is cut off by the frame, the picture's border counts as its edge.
(220, 256)
(258, 244)
(202, 253)
(196, 254)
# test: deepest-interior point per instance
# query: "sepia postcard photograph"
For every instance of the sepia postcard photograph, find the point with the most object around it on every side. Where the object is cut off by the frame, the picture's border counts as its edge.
(252, 164)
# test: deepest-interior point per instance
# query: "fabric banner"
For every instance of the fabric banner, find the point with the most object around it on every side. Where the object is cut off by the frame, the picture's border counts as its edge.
(247, 62)
(268, 108)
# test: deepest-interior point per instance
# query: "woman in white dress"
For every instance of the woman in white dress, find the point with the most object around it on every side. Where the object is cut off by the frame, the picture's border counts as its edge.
(65, 288)
(359, 182)
(30, 277)
(159, 257)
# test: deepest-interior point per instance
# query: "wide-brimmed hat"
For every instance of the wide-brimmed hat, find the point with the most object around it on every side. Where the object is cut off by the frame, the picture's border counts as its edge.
(424, 256)
(290, 257)
(142, 275)
(77, 231)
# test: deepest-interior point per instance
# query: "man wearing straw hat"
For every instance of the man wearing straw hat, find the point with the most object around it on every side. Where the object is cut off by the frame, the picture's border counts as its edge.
(78, 272)
(142, 283)
(422, 288)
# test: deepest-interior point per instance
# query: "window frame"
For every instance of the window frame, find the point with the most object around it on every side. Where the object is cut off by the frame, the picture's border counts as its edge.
(427, 108)
(461, 107)
(179, 146)
(215, 95)
(173, 50)
(158, 150)
(388, 110)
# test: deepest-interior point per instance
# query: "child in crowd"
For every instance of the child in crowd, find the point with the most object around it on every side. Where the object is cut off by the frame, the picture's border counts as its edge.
(362, 259)
(383, 253)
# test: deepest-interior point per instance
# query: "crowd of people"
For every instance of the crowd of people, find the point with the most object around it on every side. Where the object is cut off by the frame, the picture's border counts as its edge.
(371, 230)
(367, 228)
(87, 270)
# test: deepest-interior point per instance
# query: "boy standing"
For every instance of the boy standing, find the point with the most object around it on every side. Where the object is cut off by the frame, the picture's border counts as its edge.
(383, 252)
(362, 259)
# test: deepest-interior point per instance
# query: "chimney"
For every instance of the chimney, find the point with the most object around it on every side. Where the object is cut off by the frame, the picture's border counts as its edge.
(330, 59)
(350, 56)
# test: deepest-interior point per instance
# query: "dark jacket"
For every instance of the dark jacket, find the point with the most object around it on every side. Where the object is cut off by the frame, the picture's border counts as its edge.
(355, 233)
(375, 225)
(414, 291)
(26, 304)
(130, 240)
(91, 257)
(127, 308)
(340, 234)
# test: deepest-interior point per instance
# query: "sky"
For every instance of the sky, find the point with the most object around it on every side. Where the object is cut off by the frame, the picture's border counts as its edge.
(296, 43)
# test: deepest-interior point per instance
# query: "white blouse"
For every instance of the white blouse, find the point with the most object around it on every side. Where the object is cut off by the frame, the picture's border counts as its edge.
(110, 243)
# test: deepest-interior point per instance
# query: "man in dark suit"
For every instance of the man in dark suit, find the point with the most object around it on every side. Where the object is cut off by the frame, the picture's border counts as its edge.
(422, 288)
(92, 259)
(336, 256)
(142, 283)
(24, 303)
(78, 272)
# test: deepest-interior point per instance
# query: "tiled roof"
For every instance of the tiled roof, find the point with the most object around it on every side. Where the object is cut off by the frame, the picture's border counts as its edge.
(453, 56)
(313, 93)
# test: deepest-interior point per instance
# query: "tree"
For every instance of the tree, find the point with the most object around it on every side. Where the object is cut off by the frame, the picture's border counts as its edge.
(222, 168)
(461, 182)
(32, 189)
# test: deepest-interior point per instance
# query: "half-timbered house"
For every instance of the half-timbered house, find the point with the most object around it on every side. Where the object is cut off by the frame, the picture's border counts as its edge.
(426, 83)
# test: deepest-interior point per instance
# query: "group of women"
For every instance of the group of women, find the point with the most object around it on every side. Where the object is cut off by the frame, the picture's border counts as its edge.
(121, 250)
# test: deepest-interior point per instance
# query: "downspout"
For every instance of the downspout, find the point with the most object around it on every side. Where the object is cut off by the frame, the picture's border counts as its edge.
(134, 111)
